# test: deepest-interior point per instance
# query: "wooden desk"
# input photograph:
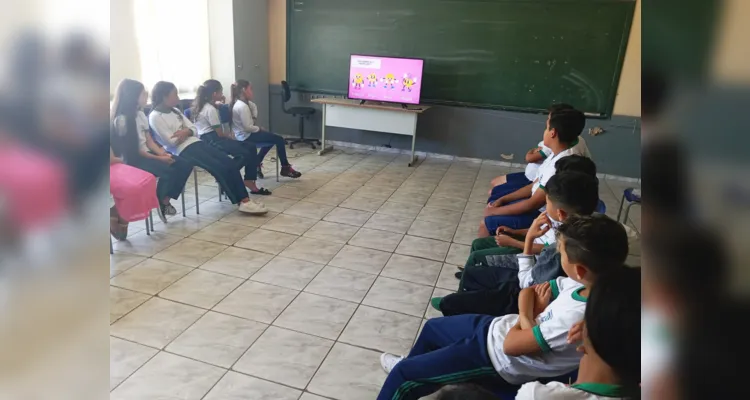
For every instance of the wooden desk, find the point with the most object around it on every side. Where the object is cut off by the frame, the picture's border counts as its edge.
(371, 116)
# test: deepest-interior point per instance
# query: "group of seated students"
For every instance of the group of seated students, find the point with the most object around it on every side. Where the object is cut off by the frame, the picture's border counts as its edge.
(179, 143)
(547, 294)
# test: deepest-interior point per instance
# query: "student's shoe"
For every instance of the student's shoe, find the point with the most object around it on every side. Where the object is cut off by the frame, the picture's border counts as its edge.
(435, 303)
(289, 172)
(260, 172)
(161, 210)
(388, 361)
(253, 207)
(170, 210)
(459, 274)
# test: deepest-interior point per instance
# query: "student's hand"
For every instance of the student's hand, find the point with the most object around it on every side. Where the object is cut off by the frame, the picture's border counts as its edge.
(182, 135)
(115, 160)
(543, 295)
(525, 322)
(166, 158)
(575, 334)
(540, 226)
(504, 240)
(497, 203)
(505, 230)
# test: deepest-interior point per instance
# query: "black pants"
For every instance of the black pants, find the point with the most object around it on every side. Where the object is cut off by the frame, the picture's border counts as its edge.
(220, 166)
(501, 300)
(172, 177)
(245, 154)
(269, 137)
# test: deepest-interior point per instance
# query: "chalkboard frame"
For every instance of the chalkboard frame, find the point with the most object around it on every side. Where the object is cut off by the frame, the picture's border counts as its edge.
(628, 23)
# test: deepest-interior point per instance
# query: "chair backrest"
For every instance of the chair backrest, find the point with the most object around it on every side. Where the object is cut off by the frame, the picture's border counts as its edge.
(188, 112)
(601, 208)
(286, 94)
(225, 114)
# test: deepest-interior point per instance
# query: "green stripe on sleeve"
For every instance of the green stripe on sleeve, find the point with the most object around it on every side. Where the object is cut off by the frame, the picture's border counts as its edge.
(555, 289)
(215, 126)
(544, 156)
(540, 339)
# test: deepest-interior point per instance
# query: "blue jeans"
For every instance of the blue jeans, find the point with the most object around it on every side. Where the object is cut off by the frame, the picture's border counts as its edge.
(220, 166)
(244, 153)
(506, 188)
(449, 350)
(268, 137)
(521, 221)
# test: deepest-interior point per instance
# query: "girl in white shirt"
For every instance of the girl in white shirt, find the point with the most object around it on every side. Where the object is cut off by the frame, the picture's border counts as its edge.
(131, 139)
(178, 135)
(244, 118)
(206, 117)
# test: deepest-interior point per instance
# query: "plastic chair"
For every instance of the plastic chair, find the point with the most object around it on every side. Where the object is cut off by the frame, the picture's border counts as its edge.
(601, 208)
(632, 198)
(301, 113)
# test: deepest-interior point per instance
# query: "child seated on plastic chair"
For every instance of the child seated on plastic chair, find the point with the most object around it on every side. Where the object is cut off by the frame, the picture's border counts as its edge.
(611, 330)
(244, 118)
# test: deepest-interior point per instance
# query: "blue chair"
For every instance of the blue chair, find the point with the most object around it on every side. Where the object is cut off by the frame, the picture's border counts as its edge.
(632, 198)
(601, 208)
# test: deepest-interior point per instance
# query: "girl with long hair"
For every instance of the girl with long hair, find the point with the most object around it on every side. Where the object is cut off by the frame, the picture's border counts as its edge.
(205, 115)
(178, 135)
(131, 139)
(244, 118)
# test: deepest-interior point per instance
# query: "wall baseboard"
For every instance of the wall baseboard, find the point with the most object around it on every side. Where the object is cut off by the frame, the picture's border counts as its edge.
(423, 154)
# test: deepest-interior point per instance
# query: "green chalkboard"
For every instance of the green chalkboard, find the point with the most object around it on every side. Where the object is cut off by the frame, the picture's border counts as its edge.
(509, 54)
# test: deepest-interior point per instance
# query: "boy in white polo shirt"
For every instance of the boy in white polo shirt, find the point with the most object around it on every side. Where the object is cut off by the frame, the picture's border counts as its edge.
(518, 209)
(505, 351)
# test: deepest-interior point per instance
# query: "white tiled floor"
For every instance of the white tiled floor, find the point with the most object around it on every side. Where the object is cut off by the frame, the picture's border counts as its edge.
(297, 304)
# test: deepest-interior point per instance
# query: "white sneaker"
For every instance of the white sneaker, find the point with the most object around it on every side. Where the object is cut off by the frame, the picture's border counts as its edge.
(388, 361)
(253, 207)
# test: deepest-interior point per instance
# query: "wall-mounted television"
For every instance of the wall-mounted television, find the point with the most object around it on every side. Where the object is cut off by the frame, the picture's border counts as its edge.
(395, 80)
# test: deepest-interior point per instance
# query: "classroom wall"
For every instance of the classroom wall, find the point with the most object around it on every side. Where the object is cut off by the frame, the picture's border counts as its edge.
(221, 42)
(477, 133)
(124, 60)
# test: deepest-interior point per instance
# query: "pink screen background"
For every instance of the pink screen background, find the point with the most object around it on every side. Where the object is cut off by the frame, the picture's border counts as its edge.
(385, 89)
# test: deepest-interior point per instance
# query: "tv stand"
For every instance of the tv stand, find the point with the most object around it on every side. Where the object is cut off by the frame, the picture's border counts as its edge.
(404, 106)
(361, 102)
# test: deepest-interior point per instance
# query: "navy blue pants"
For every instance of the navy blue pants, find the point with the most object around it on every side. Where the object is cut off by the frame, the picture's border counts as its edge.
(520, 221)
(220, 166)
(507, 188)
(245, 154)
(268, 137)
(172, 177)
(449, 350)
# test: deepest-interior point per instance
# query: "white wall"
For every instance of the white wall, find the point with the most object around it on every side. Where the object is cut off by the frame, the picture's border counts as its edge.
(221, 42)
(124, 59)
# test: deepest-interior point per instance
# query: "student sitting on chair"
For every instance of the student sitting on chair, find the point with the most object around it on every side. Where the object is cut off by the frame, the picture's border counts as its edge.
(611, 364)
(534, 159)
(207, 121)
(491, 289)
(244, 118)
(511, 241)
(500, 352)
(518, 209)
(131, 138)
(177, 133)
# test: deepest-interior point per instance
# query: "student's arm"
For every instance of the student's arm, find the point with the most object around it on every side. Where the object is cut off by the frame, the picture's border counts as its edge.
(247, 120)
(215, 121)
(156, 151)
(189, 125)
(507, 241)
(520, 342)
(534, 155)
(535, 202)
(519, 194)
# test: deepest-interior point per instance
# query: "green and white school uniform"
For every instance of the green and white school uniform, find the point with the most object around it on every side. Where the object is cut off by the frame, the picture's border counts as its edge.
(561, 391)
(558, 357)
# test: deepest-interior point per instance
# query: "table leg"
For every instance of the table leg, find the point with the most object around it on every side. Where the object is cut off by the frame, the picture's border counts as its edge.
(413, 159)
(323, 148)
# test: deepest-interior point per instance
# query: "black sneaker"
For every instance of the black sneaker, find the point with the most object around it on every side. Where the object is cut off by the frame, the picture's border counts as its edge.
(161, 210)
(458, 274)
(289, 172)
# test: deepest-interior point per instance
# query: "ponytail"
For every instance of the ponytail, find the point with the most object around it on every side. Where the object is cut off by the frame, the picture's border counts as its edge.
(204, 96)
(237, 89)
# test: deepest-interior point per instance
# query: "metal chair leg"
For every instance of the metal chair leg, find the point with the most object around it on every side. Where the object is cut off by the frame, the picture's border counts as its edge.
(148, 232)
(195, 181)
(111, 249)
(219, 186)
(627, 211)
(622, 201)
(183, 201)
(151, 219)
(277, 168)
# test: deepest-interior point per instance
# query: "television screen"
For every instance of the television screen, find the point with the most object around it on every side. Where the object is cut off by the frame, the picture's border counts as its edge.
(396, 80)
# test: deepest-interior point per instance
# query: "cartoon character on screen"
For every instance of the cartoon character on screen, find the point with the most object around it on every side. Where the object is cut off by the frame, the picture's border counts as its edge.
(372, 80)
(408, 82)
(358, 81)
(389, 80)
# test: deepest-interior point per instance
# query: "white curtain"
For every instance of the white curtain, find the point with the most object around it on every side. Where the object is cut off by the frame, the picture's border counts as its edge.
(173, 42)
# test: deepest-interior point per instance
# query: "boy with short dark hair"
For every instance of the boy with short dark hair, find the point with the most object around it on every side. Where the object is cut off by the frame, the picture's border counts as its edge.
(611, 363)
(519, 208)
(485, 251)
(515, 348)
(492, 288)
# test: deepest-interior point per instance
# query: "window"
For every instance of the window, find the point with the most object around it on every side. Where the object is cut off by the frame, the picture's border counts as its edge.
(172, 38)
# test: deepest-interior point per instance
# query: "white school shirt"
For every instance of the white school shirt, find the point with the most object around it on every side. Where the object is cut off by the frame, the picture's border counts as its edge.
(141, 128)
(561, 391)
(207, 119)
(551, 333)
(579, 148)
(243, 119)
(166, 124)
